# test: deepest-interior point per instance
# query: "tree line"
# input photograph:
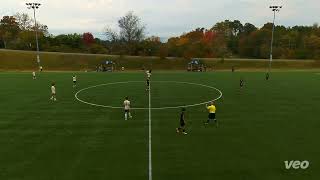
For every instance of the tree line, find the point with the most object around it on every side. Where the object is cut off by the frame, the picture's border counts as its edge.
(225, 39)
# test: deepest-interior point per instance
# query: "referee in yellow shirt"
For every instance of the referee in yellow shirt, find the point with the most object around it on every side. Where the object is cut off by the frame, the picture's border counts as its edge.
(212, 113)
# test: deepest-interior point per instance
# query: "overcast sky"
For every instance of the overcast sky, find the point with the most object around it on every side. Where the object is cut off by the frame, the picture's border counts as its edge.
(164, 18)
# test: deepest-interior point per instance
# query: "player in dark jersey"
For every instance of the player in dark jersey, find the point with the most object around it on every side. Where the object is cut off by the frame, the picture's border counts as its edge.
(148, 73)
(182, 128)
(148, 85)
(241, 83)
(74, 80)
(267, 76)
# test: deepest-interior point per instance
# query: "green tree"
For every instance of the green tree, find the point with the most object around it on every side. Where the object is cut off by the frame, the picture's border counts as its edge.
(9, 30)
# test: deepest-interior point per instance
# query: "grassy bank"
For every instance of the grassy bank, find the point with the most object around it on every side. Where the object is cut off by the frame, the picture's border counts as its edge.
(26, 60)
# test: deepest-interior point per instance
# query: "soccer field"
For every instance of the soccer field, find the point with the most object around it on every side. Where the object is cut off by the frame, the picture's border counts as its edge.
(261, 126)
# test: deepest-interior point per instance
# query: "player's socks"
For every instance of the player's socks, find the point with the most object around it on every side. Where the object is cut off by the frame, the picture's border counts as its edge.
(126, 116)
(216, 123)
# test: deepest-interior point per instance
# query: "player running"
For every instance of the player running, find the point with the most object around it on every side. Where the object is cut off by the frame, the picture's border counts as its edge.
(127, 113)
(267, 76)
(148, 73)
(53, 92)
(34, 75)
(74, 79)
(182, 122)
(242, 83)
(212, 114)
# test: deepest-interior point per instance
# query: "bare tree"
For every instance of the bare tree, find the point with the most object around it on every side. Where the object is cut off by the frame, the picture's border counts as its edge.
(24, 21)
(111, 34)
(131, 29)
(131, 32)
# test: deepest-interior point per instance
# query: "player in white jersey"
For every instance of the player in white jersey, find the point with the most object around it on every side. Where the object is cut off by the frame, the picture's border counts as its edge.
(34, 75)
(127, 112)
(53, 92)
(74, 79)
(149, 74)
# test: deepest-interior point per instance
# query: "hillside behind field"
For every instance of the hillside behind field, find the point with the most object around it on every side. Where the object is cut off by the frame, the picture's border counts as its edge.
(11, 60)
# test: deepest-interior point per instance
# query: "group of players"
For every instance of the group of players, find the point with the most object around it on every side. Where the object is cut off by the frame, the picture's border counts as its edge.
(127, 104)
(211, 108)
(211, 118)
(53, 85)
(182, 128)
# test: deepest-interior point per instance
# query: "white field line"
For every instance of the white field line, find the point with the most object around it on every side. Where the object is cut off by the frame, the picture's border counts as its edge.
(143, 108)
(149, 108)
(150, 136)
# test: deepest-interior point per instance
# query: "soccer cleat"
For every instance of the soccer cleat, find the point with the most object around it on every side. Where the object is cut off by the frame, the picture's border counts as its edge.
(185, 133)
(177, 130)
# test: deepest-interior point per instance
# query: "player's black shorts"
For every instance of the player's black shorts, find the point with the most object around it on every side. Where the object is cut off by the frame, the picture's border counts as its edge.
(74, 82)
(212, 116)
(182, 124)
(127, 111)
(148, 83)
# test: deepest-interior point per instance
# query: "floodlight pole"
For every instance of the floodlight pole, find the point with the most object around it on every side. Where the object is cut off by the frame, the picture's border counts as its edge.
(274, 9)
(35, 6)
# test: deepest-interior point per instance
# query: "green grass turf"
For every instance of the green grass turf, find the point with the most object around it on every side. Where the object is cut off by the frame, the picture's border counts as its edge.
(262, 125)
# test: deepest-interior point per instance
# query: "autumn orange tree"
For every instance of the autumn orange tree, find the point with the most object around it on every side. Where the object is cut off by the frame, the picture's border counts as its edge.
(223, 39)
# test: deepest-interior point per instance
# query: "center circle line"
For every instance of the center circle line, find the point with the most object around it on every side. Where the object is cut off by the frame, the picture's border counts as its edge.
(156, 108)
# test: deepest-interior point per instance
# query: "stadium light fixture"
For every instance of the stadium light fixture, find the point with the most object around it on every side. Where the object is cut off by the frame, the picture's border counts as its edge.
(274, 9)
(35, 6)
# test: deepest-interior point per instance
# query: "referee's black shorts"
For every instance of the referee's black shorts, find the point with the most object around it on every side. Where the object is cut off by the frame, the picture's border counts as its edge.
(212, 116)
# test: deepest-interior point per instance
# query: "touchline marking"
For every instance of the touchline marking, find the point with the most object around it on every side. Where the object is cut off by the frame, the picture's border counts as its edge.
(143, 108)
(150, 136)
